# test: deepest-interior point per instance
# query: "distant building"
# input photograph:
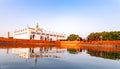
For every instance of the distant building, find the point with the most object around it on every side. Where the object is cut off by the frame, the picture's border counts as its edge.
(37, 34)
(8, 34)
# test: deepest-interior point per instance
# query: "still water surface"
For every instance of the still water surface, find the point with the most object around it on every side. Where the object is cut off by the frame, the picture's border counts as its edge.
(53, 57)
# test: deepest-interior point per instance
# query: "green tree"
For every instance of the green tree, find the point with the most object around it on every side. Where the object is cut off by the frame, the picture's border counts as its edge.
(73, 37)
(113, 35)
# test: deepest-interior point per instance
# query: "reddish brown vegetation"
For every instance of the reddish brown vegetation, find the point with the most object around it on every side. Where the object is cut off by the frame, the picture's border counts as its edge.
(23, 40)
(93, 45)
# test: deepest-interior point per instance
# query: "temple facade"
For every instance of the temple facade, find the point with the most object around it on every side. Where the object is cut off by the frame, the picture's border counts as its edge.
(37, 34)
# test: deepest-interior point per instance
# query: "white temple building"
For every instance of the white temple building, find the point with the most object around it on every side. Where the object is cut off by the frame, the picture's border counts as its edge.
(37, 34)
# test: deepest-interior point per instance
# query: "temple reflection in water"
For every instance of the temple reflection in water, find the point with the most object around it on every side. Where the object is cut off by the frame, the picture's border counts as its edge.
(35, 53)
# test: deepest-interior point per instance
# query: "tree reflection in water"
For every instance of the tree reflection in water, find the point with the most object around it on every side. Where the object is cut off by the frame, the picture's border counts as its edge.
(104, 54)
(72, 51)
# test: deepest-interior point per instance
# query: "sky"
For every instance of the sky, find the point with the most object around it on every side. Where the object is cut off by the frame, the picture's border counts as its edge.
(80, 17)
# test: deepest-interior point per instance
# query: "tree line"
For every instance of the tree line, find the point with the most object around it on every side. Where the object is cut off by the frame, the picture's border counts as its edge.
(112, 35)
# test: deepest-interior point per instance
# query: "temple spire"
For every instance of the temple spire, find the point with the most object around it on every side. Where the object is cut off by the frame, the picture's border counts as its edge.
(37, 25)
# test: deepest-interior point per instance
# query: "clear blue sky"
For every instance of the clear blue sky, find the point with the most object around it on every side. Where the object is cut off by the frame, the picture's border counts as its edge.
(69, 16)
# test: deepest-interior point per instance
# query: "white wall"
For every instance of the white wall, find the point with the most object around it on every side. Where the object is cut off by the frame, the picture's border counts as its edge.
(36, 35)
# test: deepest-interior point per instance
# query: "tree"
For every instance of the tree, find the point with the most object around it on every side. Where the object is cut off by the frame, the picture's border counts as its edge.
(113, 35)
(73, 37)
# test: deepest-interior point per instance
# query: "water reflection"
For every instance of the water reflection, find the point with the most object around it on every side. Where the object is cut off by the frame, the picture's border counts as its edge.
(107, 53)
(51, 51)
(74, 51)
(104, 54)
(58, 57)
(41, 52)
